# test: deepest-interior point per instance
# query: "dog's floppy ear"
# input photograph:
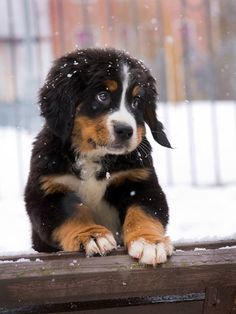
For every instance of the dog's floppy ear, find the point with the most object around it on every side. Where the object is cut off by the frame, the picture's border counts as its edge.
(59, 96)
(150, 116)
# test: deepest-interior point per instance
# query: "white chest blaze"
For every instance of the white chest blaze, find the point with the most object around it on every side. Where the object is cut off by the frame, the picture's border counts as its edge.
(91, 192)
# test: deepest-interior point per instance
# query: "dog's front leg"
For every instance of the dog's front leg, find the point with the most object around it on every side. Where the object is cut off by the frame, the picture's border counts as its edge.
(62, 220)
(145, 237)
(80, 230)
(144, 215)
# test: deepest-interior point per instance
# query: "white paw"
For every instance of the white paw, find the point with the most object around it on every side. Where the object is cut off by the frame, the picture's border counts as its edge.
(150, 254)
(101, 245)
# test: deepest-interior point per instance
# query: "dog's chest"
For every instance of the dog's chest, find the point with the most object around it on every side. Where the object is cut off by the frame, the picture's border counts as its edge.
(91, 192)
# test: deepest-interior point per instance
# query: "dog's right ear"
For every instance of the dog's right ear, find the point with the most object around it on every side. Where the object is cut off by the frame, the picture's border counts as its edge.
(59, 96)
(156, 127)
(150, 116)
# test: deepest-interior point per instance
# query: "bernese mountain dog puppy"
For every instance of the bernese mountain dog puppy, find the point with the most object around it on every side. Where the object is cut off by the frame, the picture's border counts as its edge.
(92, 184)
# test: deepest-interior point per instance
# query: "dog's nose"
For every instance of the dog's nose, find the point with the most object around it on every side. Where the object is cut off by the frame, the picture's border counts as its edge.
(123, 131)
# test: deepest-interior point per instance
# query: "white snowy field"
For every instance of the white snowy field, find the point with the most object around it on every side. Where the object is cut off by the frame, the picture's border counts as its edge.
(196, 214)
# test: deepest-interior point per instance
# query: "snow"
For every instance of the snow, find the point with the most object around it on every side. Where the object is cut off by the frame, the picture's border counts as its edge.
(20, 260)
(175, 165)
(202, 213)
(196, 214)
(14, 226)
(14, 162)
(227, 247)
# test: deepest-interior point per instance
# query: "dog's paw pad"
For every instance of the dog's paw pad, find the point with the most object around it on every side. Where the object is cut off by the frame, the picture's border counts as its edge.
(150, 254)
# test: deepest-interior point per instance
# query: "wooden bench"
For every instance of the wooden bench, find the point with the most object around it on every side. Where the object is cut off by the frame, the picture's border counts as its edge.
(192, 281)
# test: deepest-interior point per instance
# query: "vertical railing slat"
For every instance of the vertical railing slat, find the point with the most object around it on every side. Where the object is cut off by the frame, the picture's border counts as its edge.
(212, 85)
(16, 100)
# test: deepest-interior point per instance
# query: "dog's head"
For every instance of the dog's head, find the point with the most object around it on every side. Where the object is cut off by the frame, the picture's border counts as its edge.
(99, 100)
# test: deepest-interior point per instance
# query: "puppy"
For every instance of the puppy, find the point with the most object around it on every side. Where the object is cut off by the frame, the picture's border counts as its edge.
(92, 183)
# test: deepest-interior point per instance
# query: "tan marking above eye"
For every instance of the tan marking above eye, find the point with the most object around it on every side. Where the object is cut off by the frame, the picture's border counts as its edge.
(111, 85)
(136, 91)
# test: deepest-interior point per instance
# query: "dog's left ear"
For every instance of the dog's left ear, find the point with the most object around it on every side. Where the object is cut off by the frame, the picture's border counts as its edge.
(60, 95)
(150, 116)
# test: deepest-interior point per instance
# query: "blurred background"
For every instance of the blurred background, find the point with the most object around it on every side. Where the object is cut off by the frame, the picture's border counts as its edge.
(190, 46)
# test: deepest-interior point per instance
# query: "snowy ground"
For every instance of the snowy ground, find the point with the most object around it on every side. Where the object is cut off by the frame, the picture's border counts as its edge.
(195, 214)
(202, 213)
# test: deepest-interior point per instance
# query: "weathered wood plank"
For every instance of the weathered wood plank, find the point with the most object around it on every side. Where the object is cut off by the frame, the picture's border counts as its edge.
(175, 308)
(186, 246)
(36, 265)
(206, 244)
(71, 278)
(192, 301)
(192, 307)
(220, 300)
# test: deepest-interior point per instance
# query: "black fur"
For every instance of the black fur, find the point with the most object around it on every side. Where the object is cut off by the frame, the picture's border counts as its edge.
(67, 88)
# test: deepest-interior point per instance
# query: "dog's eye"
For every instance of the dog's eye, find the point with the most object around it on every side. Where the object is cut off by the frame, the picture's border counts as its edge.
(136, 102)
(103, 97)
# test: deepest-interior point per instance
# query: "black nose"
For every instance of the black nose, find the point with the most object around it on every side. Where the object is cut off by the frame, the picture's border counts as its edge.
(123, 131)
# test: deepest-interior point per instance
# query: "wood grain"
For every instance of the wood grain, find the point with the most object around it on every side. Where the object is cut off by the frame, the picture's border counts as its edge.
(69, 282)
